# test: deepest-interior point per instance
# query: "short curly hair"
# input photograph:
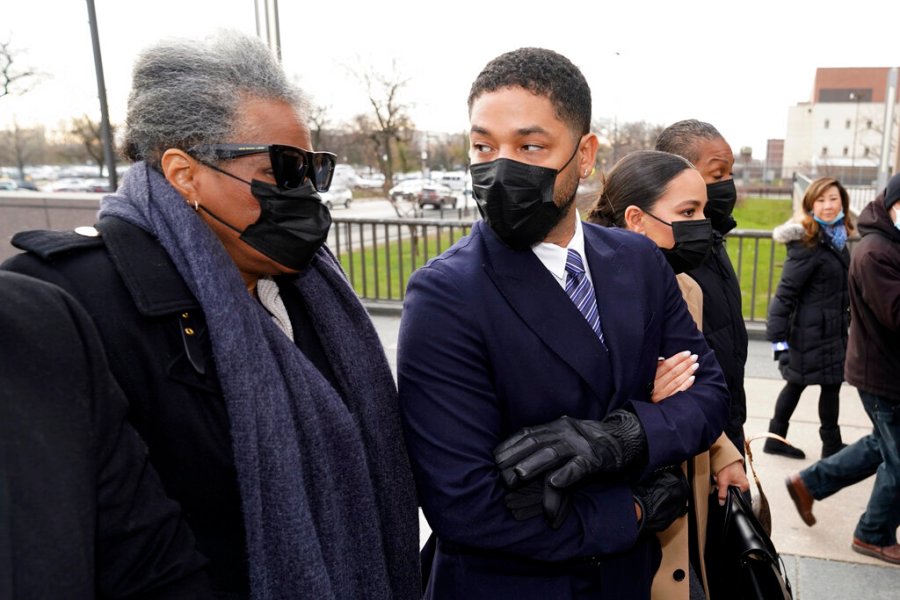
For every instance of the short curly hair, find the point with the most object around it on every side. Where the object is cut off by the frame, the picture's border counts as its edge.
(543, 73)
(682, 138)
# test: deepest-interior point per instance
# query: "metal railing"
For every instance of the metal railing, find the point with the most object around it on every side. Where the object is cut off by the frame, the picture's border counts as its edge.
(378, 257)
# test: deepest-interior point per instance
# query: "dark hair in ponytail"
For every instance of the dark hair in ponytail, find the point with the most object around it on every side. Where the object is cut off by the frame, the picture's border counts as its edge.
(638, 179)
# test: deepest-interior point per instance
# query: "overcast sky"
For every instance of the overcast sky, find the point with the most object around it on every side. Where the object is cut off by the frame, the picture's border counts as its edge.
(738, 65)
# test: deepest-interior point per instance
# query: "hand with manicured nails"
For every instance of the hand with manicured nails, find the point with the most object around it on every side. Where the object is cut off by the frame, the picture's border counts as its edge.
(663, 498)
(572, 449)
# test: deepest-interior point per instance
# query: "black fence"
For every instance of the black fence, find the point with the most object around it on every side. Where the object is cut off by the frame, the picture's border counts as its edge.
(379, 255)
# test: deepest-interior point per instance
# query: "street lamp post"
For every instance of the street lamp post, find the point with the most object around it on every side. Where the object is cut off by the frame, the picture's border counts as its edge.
(105, 130)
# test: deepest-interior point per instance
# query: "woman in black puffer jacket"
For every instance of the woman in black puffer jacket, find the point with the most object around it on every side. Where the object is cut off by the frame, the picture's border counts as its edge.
(809, 315)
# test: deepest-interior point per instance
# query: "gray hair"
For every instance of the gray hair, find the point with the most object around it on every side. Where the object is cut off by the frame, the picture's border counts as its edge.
(188, 92)
(681, 138)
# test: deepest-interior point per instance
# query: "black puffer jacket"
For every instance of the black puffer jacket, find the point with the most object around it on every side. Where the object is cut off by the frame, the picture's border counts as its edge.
(810, 309)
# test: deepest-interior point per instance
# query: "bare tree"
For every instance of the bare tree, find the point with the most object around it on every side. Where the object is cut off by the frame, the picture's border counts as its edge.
(14, 80)
(88, 133)
(21, 147)
(625, 138)
(389, 124)
(318, 121)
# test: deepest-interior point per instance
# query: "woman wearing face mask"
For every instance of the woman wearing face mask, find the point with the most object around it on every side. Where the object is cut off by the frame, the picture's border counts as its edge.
(810, 313)
(662, 196)
(254, 375)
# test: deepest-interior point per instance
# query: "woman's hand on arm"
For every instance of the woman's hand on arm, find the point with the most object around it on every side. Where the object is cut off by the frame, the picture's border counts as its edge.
(674, 374)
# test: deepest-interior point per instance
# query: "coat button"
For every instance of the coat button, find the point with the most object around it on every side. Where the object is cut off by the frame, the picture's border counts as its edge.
(678, 575)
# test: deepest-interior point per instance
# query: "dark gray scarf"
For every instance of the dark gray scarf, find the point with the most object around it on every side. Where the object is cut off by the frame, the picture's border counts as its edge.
(326, 489)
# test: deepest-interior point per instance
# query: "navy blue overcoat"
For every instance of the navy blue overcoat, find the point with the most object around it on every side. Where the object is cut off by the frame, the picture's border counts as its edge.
(490, 343)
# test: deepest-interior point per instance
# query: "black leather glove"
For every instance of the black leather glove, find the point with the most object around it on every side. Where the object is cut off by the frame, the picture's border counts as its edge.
(539, 497)
(573, 449)
(663, 497)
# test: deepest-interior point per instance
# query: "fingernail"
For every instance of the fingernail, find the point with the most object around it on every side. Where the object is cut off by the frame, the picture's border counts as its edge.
(695, 366)
(686, 353)
(691, 378)
(694, 357)
(721, 502)
(661, 358)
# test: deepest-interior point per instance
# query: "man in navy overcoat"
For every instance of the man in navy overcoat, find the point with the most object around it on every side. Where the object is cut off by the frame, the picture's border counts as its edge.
(491, 343)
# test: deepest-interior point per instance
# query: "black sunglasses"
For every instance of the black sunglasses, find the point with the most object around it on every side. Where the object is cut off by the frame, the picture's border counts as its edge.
(290, 165)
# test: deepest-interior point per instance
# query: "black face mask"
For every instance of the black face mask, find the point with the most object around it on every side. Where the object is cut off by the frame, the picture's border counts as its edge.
(516, 199)
(292, 224)
(721, 197)
(693, 239)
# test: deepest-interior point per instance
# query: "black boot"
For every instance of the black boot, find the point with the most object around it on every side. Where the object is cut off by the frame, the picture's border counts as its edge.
(773, 446)
(831, 440)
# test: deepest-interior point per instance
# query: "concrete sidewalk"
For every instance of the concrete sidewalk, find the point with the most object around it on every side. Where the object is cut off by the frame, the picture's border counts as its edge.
(818, 559)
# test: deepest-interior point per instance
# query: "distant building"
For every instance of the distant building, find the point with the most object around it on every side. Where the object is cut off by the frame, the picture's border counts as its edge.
(839, 131)
(774, 160)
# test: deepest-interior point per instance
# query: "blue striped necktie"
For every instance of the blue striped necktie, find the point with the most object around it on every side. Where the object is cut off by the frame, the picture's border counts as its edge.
(580, 290)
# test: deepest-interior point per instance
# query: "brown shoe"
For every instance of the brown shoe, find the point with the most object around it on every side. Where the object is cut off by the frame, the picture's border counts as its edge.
(803, 500)
(889, 554)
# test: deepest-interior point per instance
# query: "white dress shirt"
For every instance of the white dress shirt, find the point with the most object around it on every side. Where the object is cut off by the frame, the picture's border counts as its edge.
(554, 257)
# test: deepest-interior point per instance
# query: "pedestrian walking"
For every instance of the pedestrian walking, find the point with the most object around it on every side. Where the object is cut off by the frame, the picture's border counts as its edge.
(809, 315)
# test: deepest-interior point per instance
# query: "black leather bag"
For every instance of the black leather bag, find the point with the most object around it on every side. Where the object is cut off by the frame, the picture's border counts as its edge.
(755, 571)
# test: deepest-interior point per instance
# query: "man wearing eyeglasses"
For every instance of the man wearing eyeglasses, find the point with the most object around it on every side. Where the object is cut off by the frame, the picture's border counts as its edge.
(253, 372)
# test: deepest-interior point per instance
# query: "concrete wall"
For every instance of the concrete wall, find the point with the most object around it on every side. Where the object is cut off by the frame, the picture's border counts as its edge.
(20, 211)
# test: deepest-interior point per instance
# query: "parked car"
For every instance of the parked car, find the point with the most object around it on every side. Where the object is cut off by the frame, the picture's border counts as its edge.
(8, 184)
(338, 195)
(26, 184)
(74, 184)
(407, 189)
(437, 195)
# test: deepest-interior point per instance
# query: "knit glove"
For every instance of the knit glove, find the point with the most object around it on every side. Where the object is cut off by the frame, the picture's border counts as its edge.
(572, 449)
(663, 498)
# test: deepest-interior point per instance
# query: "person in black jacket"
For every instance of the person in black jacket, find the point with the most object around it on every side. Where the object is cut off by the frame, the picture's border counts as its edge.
(82, 513)
(723, 320)
(809, 314)
(253, 372)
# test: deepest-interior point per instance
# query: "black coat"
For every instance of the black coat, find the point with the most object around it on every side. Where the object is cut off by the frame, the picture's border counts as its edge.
(810, 309)
(725, 331)
(159, 350)
(82, 515)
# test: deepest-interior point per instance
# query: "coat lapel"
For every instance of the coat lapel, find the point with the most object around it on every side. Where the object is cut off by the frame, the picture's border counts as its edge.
(621, 306)
(544, 307)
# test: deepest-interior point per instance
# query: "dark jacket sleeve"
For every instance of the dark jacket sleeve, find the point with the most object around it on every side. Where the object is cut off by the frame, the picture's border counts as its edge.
(88, 459)
(688, 422)
(453, 420)
(879, 284)
(798, 268)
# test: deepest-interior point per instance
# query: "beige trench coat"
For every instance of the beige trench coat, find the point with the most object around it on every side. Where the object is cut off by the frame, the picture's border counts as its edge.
(671, 581)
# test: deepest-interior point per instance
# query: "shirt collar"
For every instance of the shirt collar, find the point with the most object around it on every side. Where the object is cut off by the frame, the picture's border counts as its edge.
(554, 257)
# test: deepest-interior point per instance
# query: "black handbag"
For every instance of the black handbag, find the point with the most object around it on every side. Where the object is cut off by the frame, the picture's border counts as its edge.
(754, 570)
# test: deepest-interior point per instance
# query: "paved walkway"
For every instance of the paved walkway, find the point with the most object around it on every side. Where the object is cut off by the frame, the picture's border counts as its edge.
(819, 561)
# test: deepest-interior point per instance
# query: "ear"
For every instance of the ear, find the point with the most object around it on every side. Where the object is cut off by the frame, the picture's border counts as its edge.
(587, 155)
(181, 170)
(634, 219)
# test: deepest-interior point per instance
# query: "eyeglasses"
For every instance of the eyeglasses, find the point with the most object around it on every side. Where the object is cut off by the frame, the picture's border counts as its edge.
(290, 165)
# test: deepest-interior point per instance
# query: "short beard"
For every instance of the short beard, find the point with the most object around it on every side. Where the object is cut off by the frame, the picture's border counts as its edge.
(564, 198)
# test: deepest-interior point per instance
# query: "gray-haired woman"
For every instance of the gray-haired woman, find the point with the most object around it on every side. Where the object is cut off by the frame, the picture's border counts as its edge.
(254, 374)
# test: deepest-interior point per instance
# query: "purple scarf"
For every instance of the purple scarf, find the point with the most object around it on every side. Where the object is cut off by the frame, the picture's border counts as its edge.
(326, 489)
